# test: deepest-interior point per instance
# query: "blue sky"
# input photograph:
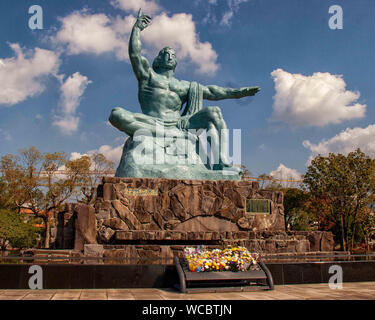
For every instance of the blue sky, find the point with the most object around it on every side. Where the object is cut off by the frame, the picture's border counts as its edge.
(324, 100)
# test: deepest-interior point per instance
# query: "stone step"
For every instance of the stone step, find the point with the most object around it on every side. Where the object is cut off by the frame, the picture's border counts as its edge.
(310, 253)
(50, 251)
(52, 256)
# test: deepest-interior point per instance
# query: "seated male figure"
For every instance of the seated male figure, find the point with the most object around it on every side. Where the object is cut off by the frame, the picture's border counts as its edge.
(162, 97)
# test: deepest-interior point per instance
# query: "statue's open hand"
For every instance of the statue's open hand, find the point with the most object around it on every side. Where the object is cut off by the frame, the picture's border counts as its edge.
(143, 21)
(249, 91)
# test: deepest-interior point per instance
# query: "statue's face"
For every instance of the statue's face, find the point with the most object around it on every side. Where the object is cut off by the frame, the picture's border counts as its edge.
(168, 59)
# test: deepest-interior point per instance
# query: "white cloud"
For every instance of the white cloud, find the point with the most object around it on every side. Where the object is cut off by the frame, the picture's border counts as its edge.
(67, 124)
(71, 92)
(82, 32)
(285, 173)
(344, 142)
(316, 100)
(5, 135)
(123, 27)
(22, 76)
(111, 153)
(148, 6)
(225, 20)
(215, 11)
(178, 31)
(234, 6)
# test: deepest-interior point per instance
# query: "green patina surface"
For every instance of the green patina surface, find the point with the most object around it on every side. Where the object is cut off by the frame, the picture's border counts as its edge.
(177, 107)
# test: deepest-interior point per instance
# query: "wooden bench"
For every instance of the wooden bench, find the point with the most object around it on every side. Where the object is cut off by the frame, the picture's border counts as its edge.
(222, 280)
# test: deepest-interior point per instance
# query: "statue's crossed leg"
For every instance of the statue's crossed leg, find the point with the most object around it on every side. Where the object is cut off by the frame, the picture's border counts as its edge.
(209, 118)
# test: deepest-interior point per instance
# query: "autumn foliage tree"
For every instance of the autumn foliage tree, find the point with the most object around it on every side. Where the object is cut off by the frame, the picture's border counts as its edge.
(366, 223)
(33, 181)
(91, 168)
(345, 184)
(4, 196)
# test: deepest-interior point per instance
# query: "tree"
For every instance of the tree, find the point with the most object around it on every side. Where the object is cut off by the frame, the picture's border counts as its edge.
(366, 223)
(34, 182)
(15, 231)
(347, 183)
(264, 181)
(246, 174)
(91, 168)
(4, 195)
(12, 182)
(295, 209)
(267, 181)
(320, 210)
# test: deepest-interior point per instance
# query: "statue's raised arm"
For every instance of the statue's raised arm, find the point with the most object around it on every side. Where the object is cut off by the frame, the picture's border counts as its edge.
(140, 64)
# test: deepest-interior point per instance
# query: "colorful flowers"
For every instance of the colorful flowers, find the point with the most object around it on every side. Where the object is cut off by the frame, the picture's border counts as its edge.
(228, 259)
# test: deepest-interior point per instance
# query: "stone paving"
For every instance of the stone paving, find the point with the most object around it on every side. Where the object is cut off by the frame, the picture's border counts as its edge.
(321, 291)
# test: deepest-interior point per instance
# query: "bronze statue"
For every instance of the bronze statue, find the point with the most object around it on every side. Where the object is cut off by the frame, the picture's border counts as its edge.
(162, 97)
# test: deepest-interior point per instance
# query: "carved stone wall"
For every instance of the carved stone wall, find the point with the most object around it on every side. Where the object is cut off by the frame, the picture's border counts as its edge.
(139, 218)
(184, 207)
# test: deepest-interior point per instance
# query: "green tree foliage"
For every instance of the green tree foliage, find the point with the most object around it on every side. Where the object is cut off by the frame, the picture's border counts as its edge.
(366, 227)
(346, 184)
(15, 231)
(296, 210)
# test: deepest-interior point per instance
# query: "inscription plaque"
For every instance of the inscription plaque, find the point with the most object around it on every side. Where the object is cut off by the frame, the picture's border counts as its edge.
(258, 206)
(140, 192)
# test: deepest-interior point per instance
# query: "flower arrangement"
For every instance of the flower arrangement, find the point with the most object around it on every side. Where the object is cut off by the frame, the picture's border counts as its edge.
(228, 259)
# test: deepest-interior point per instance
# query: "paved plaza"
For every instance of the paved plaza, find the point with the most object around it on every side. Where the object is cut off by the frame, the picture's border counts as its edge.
(321, 291)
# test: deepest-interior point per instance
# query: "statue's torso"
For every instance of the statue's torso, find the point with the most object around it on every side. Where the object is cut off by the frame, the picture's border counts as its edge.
(162, 97)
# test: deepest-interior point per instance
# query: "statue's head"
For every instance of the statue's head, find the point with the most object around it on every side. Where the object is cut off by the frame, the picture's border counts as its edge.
(166, 59)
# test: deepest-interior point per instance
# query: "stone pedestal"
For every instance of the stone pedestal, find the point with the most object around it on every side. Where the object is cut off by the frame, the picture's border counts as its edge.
(161, 209)
(143, 219)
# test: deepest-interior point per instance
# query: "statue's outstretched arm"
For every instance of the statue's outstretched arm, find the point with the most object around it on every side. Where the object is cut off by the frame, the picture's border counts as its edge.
(140, 64)
(219, 93)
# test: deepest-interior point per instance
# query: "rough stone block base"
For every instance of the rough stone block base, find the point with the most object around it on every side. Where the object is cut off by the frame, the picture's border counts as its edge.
(152, 218)
(144, 208)
(85, 226)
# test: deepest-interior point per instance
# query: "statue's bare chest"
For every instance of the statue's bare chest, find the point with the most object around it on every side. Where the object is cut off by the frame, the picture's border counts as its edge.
(170, 86)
